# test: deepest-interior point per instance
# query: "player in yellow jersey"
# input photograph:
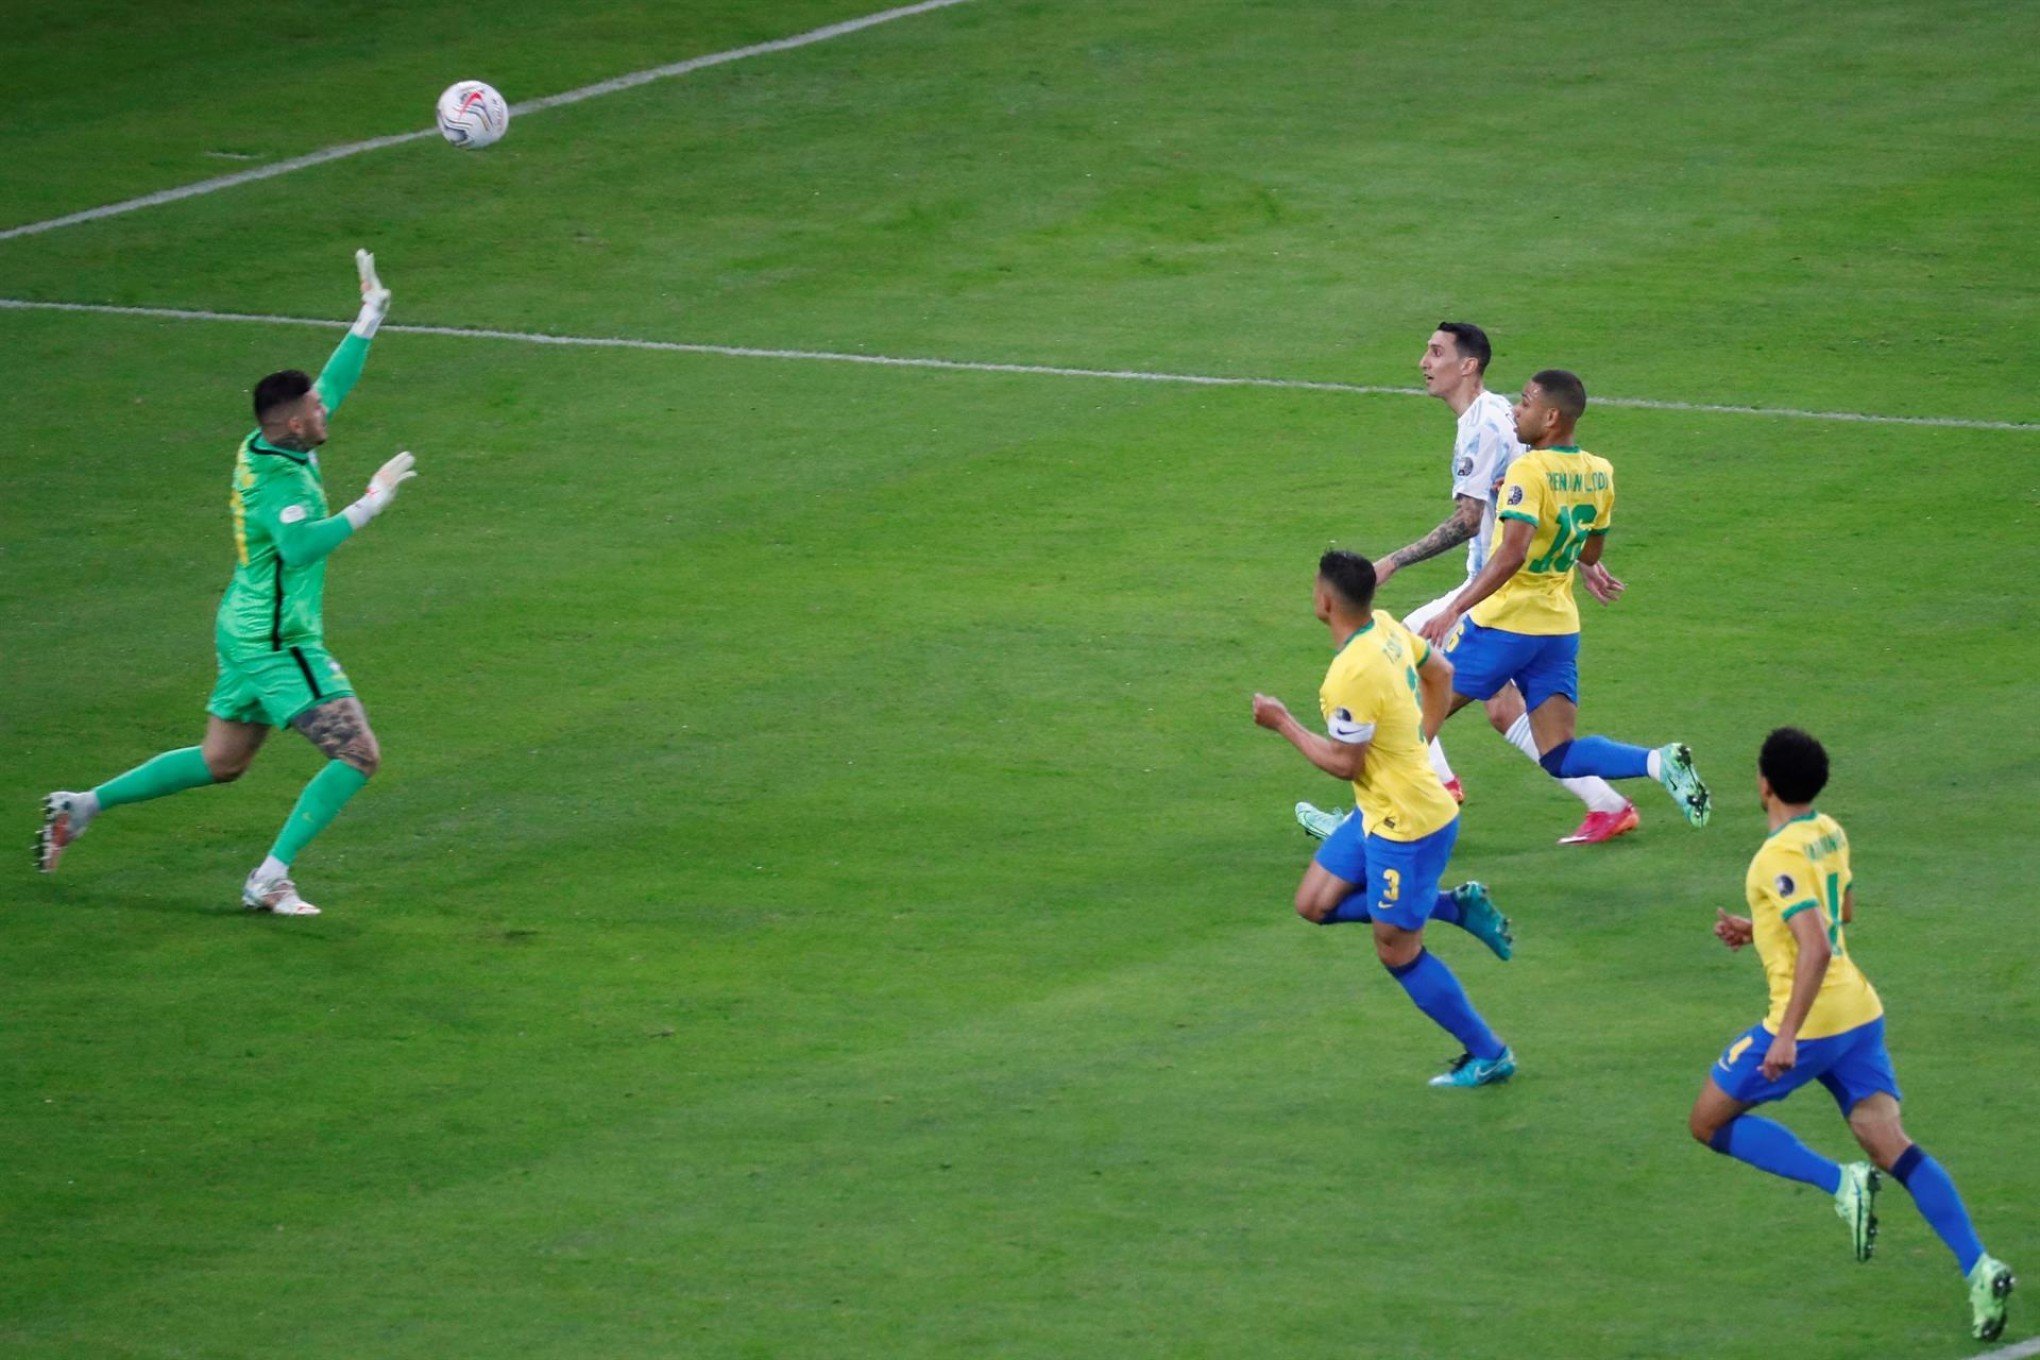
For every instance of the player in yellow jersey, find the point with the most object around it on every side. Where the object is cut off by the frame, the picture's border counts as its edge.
(1516, 622)
(1825, 1023)
(1383, 698)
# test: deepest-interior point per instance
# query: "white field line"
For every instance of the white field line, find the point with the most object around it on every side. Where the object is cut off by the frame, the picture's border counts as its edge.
(2017, 1351)
(976, 366)
(334, 153)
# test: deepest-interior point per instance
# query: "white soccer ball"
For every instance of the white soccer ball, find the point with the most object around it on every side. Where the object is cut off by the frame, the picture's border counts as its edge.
(472, 115)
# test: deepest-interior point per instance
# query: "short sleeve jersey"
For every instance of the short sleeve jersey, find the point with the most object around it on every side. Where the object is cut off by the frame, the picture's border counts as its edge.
(1370, 696)
(270, 605)
(1804, 866)
(1481, 453)
(1568, 497)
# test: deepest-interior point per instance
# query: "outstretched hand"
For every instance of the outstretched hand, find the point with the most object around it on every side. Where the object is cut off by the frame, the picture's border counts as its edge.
(1601, 583)
(1269, 711)
(373, 294)
(1437, 627)
(1733, 931)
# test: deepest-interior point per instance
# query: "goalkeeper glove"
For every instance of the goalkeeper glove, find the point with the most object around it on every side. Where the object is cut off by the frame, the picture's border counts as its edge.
(382, 489)
(375, 299)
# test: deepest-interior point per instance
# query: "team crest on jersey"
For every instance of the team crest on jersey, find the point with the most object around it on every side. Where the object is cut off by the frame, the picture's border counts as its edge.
(292, 514)
(1515, 495)
(1465, 467)
(1786, 887)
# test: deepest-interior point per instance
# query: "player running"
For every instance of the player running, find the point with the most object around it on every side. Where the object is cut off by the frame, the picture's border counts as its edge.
(1384, 865)
(1520, 624)
(274, 670)
(1454, 367)
(1827, 1023)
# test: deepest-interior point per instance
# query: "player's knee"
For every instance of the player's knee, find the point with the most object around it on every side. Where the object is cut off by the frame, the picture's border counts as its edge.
(362, 752)
(1501, 718)
(1399, 950)
(1312, 908)
(225, 769)
(1702, 1127)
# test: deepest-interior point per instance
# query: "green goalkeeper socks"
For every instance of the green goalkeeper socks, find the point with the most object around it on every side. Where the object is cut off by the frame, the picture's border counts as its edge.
(171, 772)
(317, 805)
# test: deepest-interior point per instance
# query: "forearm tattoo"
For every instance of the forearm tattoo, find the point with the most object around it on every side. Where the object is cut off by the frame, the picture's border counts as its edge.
(1450, 534)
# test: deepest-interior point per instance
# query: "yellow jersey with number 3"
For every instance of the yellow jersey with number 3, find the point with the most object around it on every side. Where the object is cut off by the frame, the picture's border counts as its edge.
(1370, 696)
(1568, 496)
(1804, 866)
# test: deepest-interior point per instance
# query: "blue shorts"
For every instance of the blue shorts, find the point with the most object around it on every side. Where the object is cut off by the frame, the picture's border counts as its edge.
(1541, 664)
(1400, 877)
(1852, 1065)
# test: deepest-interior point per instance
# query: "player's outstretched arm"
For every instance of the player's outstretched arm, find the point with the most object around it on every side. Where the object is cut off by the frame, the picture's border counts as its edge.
(1340, 759)
(1434, 684)
(1507, 559)
(343, 370)
(1463, 524)
(301, 540)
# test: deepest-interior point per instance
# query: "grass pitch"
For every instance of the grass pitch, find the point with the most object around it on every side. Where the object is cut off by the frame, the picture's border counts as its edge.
(825, 895)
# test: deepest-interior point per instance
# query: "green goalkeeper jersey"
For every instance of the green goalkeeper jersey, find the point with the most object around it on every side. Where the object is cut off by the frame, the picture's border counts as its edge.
(282, 532)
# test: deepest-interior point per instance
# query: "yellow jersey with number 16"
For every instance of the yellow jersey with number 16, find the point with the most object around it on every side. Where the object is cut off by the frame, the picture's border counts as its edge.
(1804, 866)
(1567, 496)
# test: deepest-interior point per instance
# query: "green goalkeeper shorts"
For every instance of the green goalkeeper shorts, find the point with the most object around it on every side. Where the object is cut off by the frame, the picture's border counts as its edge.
(261, 686)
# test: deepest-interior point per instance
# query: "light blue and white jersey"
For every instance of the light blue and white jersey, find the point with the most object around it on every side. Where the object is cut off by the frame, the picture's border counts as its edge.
(1481, 454)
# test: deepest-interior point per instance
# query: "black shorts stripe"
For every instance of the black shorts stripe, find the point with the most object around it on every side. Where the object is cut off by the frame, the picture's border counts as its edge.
(276, 611)
(306, 667)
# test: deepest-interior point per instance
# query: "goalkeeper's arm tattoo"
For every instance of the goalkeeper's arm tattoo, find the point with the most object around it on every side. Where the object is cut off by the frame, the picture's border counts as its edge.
(1464, 524)
(339, 728)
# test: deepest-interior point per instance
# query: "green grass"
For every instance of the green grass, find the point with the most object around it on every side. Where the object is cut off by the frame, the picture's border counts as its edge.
(825, 895)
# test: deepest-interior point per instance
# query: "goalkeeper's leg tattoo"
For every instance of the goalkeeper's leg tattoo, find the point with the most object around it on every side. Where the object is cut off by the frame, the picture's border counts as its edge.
(339, 728)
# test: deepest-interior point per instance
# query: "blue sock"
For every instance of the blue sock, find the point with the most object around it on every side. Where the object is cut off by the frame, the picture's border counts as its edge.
(1596, 756)
(1776, 1149)
(1437, 993)
(1352, 907)
(1939, 1203)
(1446, 910)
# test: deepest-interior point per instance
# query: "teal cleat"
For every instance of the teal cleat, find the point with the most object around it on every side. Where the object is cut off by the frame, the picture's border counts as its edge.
(1319, 823)
(1856, 1205)
(1683, 782)
(1479, 917)
(1990, 1284)
(1467, 1070)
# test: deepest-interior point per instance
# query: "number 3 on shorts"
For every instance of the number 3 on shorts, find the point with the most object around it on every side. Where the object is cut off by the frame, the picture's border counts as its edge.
(1391, 885)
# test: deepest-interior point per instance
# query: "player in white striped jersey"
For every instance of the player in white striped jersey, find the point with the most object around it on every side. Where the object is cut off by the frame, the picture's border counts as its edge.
(1454, 364)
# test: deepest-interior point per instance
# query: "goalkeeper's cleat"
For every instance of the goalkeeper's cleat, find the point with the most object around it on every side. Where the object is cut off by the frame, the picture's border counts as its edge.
(63, 821)
(1319, 823)
(1856, 1205)
(1467, 1070)
(1683, 782)
(1990, 1285)
(1479, 917)
(1603, 826)
(276, 895)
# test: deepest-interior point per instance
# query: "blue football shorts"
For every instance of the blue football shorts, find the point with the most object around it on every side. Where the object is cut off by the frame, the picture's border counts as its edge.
(1400, 877)
(1541, 664)
(1852, 1065)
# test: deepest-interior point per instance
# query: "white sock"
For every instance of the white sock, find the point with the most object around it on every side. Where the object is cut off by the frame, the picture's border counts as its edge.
(272, 867)
(1597, 793)
(1656, 764)
(1438, 761)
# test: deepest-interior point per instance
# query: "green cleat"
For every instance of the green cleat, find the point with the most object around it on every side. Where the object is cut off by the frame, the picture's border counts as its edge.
(1480, 919)
(1856, 1205)
(1467, 1070)
(1318, 823)
(1683, 782)
(1990, 1284)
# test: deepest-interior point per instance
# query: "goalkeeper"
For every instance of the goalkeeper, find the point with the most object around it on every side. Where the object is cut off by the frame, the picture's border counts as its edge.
(274, 667)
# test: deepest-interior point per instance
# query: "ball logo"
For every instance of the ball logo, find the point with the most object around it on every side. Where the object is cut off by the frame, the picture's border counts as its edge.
(1515, 495)
(1786, 887)
(1465, 467)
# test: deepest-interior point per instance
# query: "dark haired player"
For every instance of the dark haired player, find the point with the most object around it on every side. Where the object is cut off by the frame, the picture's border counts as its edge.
(1454, 365)
(274, 670)
(1521, 625)
(1826, 1023)
(1383, 699)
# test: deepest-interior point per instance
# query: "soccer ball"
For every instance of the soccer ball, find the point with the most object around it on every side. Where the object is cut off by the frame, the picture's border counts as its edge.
(472, 115)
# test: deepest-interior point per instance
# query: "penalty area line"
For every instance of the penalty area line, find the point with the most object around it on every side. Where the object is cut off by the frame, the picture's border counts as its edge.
(551, 101)
(971, 365)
